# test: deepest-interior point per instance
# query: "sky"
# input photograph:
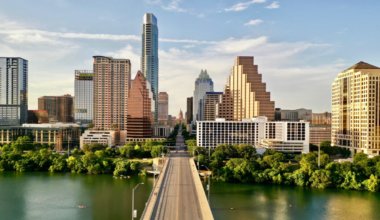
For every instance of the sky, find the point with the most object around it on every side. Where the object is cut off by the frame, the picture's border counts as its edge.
(299, 45)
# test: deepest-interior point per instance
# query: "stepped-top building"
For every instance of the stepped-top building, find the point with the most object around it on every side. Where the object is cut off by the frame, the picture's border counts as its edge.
(140, 106)
(203, 84)
(248, 92)
(356, 109)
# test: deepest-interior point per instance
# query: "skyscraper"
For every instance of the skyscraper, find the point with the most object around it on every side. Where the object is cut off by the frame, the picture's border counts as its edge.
(203, 84)
(248, 92)
(13, 91)
(83, 96)
(225, 106)
(140, 103)
(111, 86)
(189, 110)
(356, 109)
(149, 56)
(59, 108)
(211, 100)
(163, 107)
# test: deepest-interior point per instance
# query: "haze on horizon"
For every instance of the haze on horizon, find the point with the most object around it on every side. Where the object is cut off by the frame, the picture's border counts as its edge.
(300, 46)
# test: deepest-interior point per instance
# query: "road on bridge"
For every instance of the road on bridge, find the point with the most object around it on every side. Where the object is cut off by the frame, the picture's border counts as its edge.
(179, 198)
(179, 141)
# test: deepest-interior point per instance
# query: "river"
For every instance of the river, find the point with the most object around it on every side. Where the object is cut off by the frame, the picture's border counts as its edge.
(71, 196)
(243, 201)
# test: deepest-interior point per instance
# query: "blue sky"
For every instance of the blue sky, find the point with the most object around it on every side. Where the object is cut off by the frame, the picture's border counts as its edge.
(299, 45)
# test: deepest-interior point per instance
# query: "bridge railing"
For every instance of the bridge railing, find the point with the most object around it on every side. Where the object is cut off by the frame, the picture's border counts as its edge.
(151, 204)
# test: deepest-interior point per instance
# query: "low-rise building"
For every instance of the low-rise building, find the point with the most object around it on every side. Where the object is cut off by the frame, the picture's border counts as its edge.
(60, 135)
(108, 138)
(282, 136)
(319, 134)
(162, 130)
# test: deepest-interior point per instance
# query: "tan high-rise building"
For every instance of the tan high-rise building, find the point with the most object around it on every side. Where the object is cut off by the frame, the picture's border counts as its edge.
(163, 107)
(211, 100)
(111, 86)
(225, 106)
(59, 108)
(140, 107)
(248, 92)
(356, 109)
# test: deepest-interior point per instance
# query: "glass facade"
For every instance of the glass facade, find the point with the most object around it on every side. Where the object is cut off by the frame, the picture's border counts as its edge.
(149, 57)
(83, 98)
(13, 91)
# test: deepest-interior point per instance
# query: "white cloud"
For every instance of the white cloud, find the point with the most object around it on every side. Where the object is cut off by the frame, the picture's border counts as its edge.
(253, 22)
(53, 57)
(241, 6)
(174, 6)
(236, 46)
(171, 5)
(273, 5)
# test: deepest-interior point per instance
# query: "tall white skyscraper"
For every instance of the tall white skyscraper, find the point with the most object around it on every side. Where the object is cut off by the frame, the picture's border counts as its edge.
(203, 84)
(149, 56)
(13, 91)
(83, 96)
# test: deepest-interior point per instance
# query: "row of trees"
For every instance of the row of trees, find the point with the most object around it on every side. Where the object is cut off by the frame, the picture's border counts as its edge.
(93, 159)
(241, 163)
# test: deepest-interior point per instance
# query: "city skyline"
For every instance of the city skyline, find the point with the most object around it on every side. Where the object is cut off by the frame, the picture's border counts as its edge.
(195, 36)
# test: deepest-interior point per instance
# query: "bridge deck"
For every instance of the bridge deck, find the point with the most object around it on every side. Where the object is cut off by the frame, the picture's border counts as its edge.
(179, 192)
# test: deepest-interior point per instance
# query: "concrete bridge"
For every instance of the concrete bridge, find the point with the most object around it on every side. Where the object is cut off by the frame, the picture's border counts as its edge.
(178, 193)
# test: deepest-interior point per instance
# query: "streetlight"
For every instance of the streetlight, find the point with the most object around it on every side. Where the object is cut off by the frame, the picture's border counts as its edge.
(319, 156)
(68, 145)
(208, 184)
(134, 212)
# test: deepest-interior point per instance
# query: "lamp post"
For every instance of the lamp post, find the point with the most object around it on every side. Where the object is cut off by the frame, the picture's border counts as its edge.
(208, 187)
(134, 212)
(68, 145)
(319, 156)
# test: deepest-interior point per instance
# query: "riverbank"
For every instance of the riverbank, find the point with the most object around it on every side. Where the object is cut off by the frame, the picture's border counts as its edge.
(241, 164)
(124, 161)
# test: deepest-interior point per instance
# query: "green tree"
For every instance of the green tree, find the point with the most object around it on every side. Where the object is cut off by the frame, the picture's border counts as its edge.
(320, 179)
(371, 184)
(157, 150)
(75, 165)
(246, 151)
(22, 143)
(349, 181)
(59, 164)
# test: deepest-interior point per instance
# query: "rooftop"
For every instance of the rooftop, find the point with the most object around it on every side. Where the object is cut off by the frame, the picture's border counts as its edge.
(362, 65)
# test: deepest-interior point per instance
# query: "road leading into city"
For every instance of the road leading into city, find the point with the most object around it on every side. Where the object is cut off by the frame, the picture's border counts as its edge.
(179, 194)
(179, 141)
(179, 198)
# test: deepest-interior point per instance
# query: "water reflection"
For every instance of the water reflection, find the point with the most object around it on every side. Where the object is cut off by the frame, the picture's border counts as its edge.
(65, 196)
(239, 201)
